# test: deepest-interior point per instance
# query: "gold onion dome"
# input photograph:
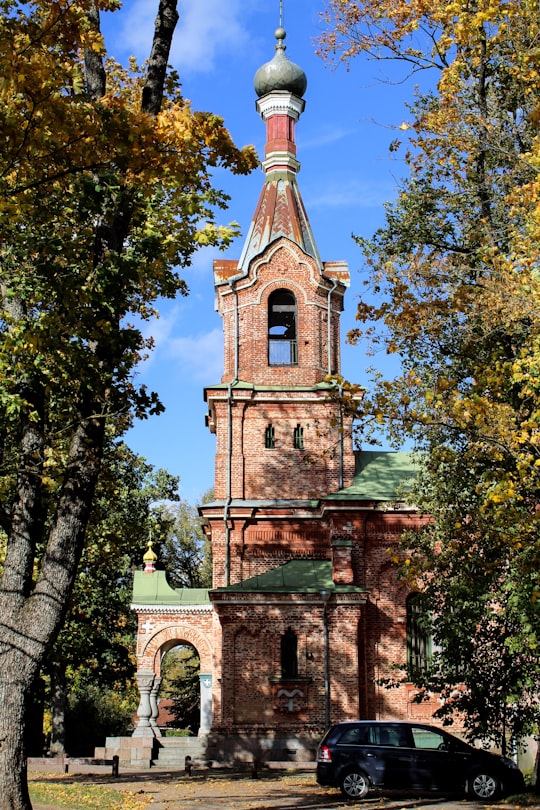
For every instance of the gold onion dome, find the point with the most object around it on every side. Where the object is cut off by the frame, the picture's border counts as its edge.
(149, 559)
(280, 73)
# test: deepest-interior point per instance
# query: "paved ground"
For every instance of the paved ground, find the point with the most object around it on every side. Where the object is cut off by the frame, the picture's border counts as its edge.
(209, 790)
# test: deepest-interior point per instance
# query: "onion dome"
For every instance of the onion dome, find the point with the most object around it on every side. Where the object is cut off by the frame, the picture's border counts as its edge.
(149, 559)
(280, 73)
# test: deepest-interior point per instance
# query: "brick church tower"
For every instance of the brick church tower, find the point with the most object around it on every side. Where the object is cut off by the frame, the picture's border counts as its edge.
(289, 586)
(306, 616)
(279, 435)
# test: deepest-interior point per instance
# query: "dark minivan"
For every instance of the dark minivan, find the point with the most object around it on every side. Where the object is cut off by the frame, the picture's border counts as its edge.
(359, 755)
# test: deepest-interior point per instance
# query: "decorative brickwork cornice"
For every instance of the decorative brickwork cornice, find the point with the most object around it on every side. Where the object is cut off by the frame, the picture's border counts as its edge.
(171, 610)
(279, 102)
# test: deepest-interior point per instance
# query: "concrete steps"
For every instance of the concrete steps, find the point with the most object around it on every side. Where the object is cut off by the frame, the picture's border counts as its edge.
(145, 752)
(172, 751)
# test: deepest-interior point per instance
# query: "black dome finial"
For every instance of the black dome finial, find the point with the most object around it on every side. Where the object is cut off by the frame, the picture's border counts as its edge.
(280, 73)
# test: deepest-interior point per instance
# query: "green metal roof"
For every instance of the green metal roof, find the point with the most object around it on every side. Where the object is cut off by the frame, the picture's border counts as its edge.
(254, 503)
(153, 589)
(240, 385)
(380, 476)
(296, 576)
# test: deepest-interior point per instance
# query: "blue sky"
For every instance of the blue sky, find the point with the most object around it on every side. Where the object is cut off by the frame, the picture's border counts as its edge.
(347, 173)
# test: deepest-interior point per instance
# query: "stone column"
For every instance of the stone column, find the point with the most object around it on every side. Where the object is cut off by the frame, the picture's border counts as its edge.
(145, 680)
(206, 704)
(154, 691)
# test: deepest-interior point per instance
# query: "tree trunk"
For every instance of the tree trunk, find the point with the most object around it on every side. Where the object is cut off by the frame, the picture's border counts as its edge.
(58, 711)
(32, 609)
(536, 770)
(13, 784)
(28, 625)
(166, 20)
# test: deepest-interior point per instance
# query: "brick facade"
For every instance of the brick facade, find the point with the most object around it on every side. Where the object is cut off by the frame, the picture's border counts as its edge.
(300, 556)
(283, 266)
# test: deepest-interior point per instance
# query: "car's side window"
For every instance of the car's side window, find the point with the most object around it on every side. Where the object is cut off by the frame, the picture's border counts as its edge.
(357, 735)
(389, 735)
(426, 738)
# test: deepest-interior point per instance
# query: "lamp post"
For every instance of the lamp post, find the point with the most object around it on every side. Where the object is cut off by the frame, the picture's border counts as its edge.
(325, 596)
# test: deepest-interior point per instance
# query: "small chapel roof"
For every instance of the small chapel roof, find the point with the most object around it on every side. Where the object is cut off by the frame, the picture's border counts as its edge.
(153, 589)
(380, 476)
(295, 576)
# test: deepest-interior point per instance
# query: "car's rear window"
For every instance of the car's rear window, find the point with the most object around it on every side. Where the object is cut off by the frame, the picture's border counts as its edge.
(425, 738)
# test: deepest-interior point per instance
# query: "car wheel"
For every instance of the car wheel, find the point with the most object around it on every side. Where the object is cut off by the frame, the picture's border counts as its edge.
(354, 784)
(483, 786)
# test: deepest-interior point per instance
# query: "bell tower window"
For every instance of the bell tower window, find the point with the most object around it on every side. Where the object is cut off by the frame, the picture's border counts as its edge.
(282, 338)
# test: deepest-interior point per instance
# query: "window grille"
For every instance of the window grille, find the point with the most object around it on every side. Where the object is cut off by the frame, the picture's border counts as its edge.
(419, 645)
(269, 438)
(282, 337)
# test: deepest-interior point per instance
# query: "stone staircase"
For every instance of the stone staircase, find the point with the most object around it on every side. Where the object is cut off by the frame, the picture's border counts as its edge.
(171, 752)
(148, 751)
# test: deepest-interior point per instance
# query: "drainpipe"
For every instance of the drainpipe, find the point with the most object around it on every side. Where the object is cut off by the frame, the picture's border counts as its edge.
(230, 386)
(329, 326)
(325, 596)
(341, 438)
(340, 388)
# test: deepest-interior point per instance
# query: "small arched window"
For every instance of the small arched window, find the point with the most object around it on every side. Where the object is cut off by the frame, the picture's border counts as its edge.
(418, 634)
(289, 654)
(282, 337)
(269, 437)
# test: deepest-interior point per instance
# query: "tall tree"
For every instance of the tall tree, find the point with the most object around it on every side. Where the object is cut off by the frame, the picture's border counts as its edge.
(455, 278)
(185, 550)
(181, 686)
(95, 650)
(105, 188)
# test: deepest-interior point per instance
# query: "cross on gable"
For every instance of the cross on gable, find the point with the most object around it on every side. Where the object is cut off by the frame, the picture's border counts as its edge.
(148, 626)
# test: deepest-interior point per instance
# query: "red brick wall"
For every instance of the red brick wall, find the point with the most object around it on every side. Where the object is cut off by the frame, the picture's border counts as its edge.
(251, 675)
(282, 472)
(159, 631)
(284, 266)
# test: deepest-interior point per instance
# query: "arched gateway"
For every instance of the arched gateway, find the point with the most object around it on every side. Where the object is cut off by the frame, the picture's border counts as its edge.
(168, 617)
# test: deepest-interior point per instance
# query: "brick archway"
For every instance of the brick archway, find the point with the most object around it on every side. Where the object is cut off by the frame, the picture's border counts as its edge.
(150, 659)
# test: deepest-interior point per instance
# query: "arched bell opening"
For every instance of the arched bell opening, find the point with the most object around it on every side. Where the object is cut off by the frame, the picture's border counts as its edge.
(282, 329)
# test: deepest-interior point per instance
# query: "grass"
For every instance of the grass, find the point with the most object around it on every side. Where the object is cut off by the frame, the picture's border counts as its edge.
(529, 799)
(58, 794)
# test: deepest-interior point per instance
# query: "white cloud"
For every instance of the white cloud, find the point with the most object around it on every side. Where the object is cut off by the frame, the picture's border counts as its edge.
(207, 30)
(159, 329)
(348, 194)
(200, 356)
(325, 136)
